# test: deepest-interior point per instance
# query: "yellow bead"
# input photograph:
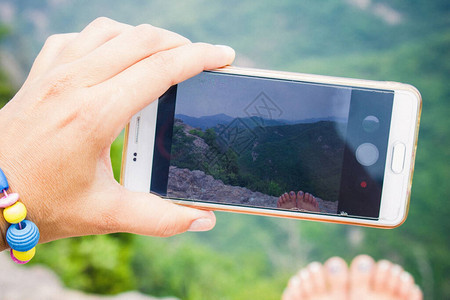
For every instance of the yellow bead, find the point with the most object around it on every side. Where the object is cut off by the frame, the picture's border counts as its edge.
(15, 213)
(24, 256)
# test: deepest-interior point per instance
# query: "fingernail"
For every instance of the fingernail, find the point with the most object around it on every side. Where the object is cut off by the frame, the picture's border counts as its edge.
(202, 224)
(227, 49)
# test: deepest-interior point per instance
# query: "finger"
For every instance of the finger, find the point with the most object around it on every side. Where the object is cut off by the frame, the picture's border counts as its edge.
(148, 214)
(51, 49)
(125, 50)
(91, 37)
(131, 90)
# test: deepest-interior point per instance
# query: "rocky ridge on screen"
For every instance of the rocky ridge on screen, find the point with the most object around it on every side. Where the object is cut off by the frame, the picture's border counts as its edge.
(187, 184)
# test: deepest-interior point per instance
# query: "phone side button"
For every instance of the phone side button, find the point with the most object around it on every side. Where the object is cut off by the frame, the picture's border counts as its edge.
(398, 158)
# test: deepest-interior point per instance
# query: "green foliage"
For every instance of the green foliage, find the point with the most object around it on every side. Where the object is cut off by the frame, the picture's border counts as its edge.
(189, 270)
(100, 264)
(197, 132)
(7, 91)
(280, 160)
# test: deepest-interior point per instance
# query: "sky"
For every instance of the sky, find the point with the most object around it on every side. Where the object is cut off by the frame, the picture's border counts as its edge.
(213, 93)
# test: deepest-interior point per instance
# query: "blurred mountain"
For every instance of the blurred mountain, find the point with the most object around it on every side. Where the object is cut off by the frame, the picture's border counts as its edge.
(267, 33)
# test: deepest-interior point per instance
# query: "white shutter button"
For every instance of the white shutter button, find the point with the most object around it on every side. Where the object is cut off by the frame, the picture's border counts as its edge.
(398, 158)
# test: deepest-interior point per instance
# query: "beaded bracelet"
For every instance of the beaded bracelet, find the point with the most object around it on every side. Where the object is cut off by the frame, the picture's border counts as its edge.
(23, 235)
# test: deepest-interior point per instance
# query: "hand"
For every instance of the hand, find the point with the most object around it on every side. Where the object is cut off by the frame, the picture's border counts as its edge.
(57, 131)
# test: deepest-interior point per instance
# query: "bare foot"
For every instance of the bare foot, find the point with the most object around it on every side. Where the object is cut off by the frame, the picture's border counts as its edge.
(364, 280)
(307, 202)
(317, 282)
(287, 201)
(380, 281)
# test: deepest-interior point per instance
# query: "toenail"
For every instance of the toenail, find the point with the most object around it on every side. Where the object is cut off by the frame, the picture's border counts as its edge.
(405, 277)
(383, 265)
(364, 265)
(396, 270)
(314, 267)
(294, 281)
(334, 267)
(304, 274)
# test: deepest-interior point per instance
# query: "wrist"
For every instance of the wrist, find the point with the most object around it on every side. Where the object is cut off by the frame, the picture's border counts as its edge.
(16, 232)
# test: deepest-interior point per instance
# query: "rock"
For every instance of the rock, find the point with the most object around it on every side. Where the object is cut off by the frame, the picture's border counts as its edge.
(39, 283)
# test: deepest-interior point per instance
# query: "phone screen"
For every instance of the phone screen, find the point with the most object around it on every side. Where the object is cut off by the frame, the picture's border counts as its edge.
(273, 143)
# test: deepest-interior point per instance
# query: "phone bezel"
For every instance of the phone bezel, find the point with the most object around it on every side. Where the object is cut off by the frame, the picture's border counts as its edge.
(140, 136)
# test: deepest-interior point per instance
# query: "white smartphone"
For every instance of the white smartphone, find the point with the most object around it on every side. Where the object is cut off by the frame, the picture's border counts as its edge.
(279, 144)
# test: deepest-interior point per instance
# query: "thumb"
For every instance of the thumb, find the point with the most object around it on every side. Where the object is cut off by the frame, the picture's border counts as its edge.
(148, 214)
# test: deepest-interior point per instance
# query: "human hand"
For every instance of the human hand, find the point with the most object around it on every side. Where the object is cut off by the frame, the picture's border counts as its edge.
(57, 131)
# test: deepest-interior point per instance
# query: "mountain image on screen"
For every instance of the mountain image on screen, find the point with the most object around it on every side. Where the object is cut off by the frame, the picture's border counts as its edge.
(262, 155)
(206, 122)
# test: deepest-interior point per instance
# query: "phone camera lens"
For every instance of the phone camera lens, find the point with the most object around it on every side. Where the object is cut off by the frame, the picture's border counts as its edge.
(135, 154)
(370, 124)
(134, 159)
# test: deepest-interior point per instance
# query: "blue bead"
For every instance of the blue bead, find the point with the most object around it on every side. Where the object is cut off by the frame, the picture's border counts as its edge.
(3, 182)
(22, 239)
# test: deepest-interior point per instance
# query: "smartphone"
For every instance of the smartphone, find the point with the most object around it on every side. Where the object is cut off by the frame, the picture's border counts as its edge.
(279, 144)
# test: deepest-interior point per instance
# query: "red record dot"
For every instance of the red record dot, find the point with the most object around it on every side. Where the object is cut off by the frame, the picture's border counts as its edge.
(363, 184)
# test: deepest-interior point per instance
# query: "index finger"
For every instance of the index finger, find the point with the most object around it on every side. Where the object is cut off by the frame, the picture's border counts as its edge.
(137, 86)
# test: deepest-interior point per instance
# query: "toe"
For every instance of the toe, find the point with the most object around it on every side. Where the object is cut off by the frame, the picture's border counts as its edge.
(379, 277)
(292, 196)
(361, 272)
(306, 288)
(280, 201)
(308, 197)
(393, 279)
(317, 278)
(292, 291)
(300, 196)
(315, 203)
(415, 294)
(336, 271)
(406, 284)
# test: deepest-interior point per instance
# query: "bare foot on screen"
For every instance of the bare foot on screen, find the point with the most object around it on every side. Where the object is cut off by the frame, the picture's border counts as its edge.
(306, 201)
(365, 279)
(287, 201)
